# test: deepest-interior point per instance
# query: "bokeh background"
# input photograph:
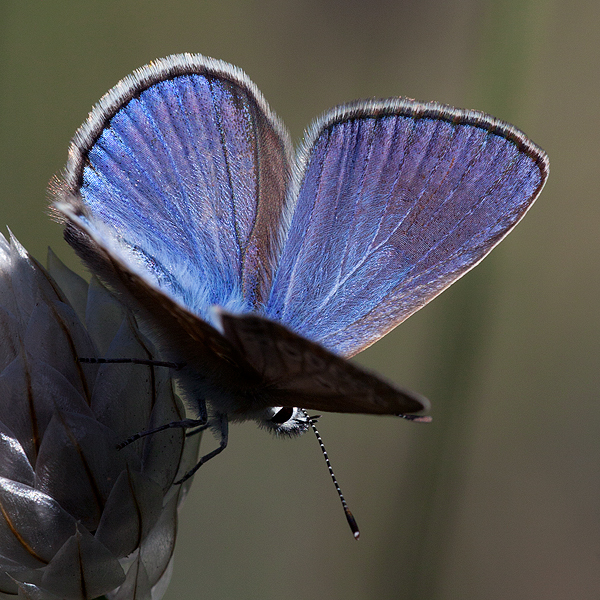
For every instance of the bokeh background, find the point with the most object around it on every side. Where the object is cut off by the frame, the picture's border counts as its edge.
(500, 496)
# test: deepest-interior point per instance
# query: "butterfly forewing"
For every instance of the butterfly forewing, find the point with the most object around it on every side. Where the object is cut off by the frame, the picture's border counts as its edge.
(298, 372)
(183, 166)
(395, 201)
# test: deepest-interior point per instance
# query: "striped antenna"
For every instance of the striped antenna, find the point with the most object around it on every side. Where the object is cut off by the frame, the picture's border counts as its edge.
(349, 517)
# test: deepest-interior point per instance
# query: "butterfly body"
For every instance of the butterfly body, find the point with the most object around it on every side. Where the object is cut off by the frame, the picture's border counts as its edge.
(260, 271)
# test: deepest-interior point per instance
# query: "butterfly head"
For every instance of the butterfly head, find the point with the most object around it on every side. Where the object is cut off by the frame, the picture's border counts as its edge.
(285, 420)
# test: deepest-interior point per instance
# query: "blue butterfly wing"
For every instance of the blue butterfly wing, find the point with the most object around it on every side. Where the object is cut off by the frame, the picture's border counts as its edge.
(181, 169)
(395, 200)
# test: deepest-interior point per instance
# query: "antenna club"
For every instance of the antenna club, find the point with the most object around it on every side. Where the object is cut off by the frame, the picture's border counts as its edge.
(352, 522)
(349, 516)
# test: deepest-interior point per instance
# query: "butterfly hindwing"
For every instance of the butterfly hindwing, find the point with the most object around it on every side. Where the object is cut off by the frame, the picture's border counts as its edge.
(395, 201)
(183, 337)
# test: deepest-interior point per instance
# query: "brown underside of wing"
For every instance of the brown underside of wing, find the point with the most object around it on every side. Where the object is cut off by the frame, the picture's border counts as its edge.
(299, 372)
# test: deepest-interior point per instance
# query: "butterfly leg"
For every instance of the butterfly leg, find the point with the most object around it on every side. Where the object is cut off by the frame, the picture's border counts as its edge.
(133, 361)
(199, 424)
(198, 429)
(224, 427)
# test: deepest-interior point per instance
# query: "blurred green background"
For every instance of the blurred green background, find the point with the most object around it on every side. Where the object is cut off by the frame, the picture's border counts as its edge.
(499, 497)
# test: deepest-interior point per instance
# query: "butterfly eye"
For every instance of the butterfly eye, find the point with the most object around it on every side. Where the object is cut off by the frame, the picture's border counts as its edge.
(285, 420)
(282, 415)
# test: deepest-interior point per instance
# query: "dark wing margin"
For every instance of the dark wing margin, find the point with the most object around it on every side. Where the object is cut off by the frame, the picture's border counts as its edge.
(394, 200)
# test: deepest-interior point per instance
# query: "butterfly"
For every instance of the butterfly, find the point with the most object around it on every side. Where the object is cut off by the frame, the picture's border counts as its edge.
(260, 271)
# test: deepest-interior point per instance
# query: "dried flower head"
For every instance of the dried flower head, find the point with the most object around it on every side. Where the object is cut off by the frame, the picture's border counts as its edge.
(78, 518)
